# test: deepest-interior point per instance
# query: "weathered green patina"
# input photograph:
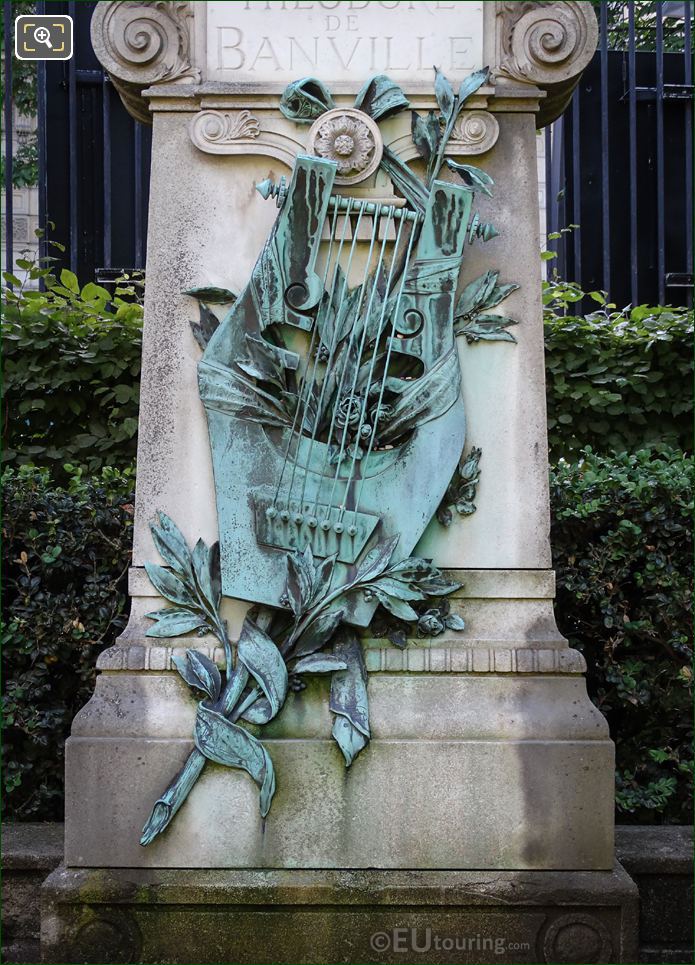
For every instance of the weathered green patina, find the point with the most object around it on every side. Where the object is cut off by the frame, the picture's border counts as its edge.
(336, 422)
(330, 459)
(273, 651)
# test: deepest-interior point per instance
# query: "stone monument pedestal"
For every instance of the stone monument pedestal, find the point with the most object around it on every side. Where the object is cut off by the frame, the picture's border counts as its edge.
(477, 824)
(290, 917)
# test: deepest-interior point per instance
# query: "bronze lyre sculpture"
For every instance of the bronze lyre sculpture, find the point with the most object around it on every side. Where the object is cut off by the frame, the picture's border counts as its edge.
(333, 396)
(328, 457)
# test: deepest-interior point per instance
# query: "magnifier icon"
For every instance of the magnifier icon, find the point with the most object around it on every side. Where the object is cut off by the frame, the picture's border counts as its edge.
(42, 35)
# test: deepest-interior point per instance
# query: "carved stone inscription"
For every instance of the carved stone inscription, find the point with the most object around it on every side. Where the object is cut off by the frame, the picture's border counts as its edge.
(342, 40)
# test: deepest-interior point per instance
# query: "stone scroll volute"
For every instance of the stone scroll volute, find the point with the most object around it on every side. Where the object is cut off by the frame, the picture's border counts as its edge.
(141, 44)
(545, 44)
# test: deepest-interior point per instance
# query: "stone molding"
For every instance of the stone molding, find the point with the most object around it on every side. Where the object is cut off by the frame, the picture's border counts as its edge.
(144, 43)
(475, 132)
(414, 659)
(513, 98)
(476, 584)
(433, 659)
(219, 131)
(511, 629)
(215, 131)
(547, 45)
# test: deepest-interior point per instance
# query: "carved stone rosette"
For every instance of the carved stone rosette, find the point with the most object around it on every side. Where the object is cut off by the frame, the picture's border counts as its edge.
(351, 139)
(577, 935)
(546, 44)
(144, 43)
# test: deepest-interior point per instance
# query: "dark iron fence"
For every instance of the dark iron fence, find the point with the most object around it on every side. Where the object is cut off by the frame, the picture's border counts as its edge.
(618, 164)
(93, 158)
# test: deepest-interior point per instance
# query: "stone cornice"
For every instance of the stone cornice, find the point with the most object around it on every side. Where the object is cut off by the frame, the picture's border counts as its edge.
(536, 585)
(537, 52)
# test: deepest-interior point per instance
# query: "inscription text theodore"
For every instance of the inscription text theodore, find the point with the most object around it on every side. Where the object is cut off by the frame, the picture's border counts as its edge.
(342, 40)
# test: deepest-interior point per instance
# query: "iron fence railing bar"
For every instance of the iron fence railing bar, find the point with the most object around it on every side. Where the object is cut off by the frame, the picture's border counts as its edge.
(632, 101)
(660, 173)
(576, 184)
(72, 152)
(41, 146)
(605, 154)
(137, 192)
(549, 200)
(688, 77)
(106, 151)
(670, 92)
(679, 279)
(557, 193)
(7, 107)
(88, 76)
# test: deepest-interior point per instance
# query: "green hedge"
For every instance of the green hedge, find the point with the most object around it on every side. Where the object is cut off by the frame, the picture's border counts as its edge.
(623, 552)
(616, 380)
(65, 558)
(71, 373)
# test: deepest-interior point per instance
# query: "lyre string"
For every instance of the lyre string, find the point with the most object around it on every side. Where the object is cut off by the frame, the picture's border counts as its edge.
(333, 345)
(312, 383)
(358, 308)
(394, 318)
(365, 330)
(303, 383)
(370, 375)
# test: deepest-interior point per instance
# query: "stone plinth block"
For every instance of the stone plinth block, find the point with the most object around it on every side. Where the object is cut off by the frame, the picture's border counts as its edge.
(486, 753)
(254, 917)
(506, 771)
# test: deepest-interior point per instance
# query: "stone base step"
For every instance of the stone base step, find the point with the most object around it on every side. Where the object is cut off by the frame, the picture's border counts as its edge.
(331, 916)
